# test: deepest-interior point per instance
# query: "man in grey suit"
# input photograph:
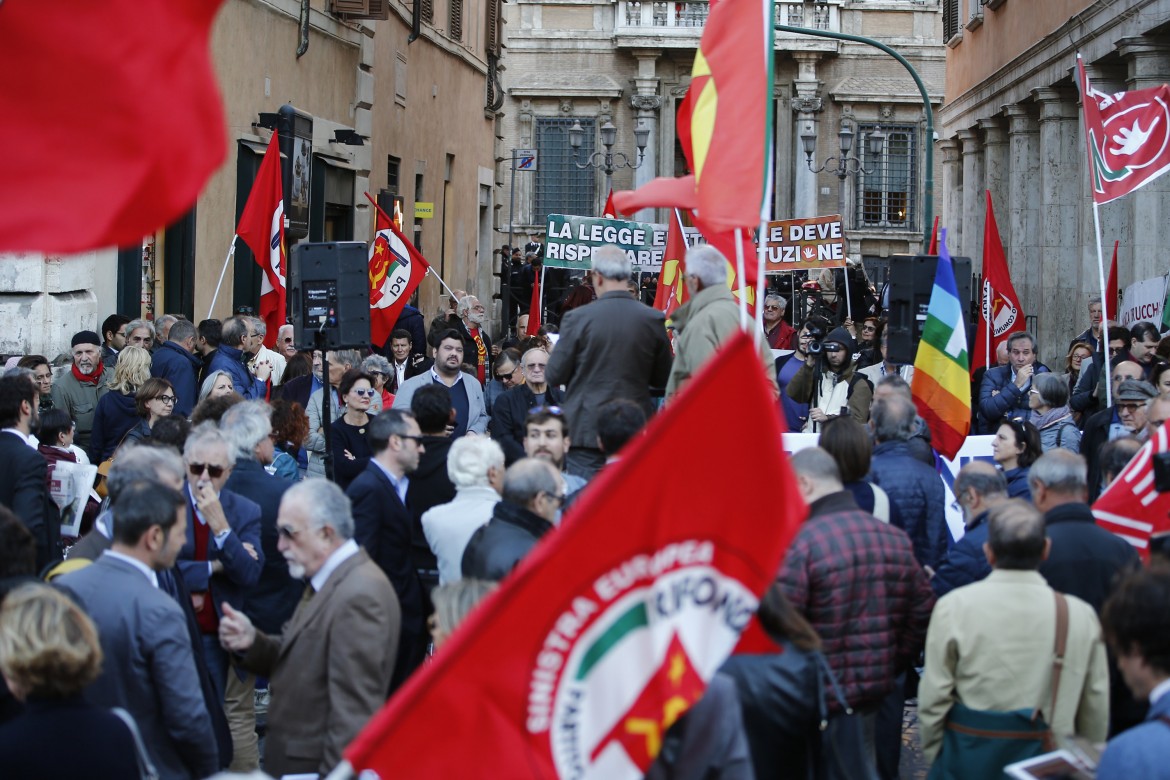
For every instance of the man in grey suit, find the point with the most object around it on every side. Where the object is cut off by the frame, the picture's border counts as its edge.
(330, 669)
(150, 667)
(616, 347)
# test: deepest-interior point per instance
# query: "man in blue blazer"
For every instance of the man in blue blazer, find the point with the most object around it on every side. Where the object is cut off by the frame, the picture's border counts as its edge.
(222, 557)
(382, 525)
(150, 667)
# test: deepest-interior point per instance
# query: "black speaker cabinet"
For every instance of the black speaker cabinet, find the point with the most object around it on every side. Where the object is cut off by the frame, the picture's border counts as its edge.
(911, 280)
(329, 292)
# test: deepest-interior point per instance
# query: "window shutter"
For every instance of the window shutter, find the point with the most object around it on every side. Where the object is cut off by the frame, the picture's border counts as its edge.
(455, 28)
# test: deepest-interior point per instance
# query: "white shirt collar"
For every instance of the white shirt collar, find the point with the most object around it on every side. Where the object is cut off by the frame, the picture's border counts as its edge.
(148, 572)
(339, 556)
(1160, 690)
(27, 438)
(435, 376)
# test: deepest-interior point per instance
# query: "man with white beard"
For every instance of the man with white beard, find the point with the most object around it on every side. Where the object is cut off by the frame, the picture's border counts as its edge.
(477, 347)
(330, 668)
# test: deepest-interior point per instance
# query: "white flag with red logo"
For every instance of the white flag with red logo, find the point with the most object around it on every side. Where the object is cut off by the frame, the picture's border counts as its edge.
(1130, 507)
(1128, 136)
(262, 229)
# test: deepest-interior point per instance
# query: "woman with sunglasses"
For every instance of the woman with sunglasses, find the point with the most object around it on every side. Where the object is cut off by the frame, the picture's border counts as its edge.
(351, 451)
(1016, 447)
(154, 401)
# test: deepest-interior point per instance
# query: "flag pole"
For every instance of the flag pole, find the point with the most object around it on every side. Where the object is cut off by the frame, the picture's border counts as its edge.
(848, 297)
(1104, 339)
(761, 280)
(740, 273)
(226, 260)
(431, 270)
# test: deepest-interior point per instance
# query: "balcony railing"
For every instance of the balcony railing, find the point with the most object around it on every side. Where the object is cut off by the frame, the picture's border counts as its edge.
(653, 17)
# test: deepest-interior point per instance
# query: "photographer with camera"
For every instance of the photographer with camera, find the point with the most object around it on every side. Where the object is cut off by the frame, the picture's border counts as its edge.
(828, 381)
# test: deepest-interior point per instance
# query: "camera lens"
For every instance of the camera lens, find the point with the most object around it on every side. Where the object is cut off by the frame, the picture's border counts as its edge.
(814, 348)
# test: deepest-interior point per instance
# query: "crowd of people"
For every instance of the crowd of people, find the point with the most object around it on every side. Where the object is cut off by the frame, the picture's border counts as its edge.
(245, 569)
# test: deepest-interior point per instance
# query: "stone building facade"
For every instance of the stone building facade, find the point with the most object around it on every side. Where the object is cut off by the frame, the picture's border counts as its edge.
(629, 62)
(1013, 125)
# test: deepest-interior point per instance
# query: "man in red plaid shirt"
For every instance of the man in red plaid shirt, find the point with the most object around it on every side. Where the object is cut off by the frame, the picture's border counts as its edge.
(858, 583)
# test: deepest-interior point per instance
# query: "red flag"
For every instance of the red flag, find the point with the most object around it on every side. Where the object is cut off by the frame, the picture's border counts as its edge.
(934, 238)
(1128, 137)
(262, 229)
(557, 670)
(535, 307)
(1001, 314)
(396, 271)
(111, 107)
(609, 211)
(723, 124)
(672, 293)
(1111, 292)
(1131, 507)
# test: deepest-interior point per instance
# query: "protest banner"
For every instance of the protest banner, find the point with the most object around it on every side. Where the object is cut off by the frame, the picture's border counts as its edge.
(571, 240)
(803, 244)
(1143, 302)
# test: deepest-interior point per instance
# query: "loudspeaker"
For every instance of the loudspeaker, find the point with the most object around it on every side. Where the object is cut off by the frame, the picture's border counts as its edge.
(911, 281)
(329, 292)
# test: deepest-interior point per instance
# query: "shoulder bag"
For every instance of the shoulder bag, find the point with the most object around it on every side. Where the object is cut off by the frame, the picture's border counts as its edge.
(841, 753)
(146, 768)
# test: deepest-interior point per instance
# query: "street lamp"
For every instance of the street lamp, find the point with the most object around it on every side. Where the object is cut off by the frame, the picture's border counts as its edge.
(609, 160)
(845, 164)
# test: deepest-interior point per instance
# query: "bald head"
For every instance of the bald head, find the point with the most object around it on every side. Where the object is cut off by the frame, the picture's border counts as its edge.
(1126, 369)
(817, 474)
(1015, 536)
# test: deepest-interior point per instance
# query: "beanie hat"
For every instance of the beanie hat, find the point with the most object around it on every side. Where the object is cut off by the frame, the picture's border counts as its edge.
(86, 337)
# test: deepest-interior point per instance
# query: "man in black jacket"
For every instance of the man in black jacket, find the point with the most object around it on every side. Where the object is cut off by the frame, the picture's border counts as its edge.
(510, 409)
(22, 481)
(533, 492)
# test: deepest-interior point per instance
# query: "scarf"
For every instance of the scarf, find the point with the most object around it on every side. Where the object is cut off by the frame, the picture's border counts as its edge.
(91, 379)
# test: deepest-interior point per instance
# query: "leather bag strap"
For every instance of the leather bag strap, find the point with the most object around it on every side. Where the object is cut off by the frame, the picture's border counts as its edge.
(1061, 644)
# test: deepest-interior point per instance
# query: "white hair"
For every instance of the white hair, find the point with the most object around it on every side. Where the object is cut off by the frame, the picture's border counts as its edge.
(612, 263)
(707, 264)
(208, 435)
(325, 503)
(245, 425)
(470, 459)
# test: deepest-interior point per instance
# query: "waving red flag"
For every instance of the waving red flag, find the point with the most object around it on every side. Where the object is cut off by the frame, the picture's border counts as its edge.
(609, 628)
(111, 107)
(396, 271)
(1128, 137)
(535, 308)
(1001, 314)
(262, 229)
(1131, 506)
(672, 293)
(1111, 291)
(609, 212)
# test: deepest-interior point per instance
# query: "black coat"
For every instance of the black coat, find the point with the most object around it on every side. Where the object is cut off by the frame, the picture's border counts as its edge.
(496, 548)
(272, 600)
(508, 414)
(1095, 436)
(1085, 560)
(23, 490)
(429, 487)
(65, 739)
(469, 351)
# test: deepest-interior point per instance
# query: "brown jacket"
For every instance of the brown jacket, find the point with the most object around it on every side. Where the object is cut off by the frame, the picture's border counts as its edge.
(330, 669)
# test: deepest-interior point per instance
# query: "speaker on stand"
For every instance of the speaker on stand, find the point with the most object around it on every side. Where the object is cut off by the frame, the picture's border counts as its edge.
(910, 283)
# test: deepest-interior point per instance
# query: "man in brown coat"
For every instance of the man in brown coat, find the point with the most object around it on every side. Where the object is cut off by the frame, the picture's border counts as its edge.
(330, 669)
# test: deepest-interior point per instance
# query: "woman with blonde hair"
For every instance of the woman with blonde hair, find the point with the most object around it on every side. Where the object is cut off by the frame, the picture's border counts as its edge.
(49, 653)
(117, 410)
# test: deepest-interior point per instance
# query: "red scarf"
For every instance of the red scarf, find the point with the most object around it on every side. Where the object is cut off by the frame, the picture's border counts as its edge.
(480, 356)
(93, 378)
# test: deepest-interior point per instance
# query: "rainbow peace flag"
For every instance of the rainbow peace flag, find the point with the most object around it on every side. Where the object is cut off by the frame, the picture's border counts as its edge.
(941, 386)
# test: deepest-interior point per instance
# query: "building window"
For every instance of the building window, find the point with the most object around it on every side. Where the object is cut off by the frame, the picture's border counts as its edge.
(393, 165)
(887, 195)
(427, 11)
(562, 187)
(455, 29)
(951, 19)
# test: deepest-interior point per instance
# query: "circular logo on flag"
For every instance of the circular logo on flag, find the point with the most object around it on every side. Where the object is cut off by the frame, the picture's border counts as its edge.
(625, 661)
(999, 311)
(389, 270)
(1136, 134)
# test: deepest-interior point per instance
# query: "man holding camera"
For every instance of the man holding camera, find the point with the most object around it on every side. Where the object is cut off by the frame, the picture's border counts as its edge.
(828, 382)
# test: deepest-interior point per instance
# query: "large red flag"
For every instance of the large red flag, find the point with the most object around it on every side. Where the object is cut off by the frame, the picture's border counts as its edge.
(112, 119)
(672, 293)
(535, 307)
(1128, 137)
(396, 271)
(1001, 314)
(262, 229)
(610, 629)
(1111, 292)
(724, 124)
(1131, 506)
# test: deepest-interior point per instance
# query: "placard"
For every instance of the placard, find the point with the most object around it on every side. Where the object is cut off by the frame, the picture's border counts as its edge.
(804, 244)
(571, 240)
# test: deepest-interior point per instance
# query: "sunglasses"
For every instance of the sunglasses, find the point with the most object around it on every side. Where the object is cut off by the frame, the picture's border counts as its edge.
(215, 472)
(415, 439)
(367, 393)
(506, 377)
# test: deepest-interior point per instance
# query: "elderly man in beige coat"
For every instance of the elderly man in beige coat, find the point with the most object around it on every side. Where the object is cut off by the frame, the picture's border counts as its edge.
(708, 319)
(990, 644)
(330, 669)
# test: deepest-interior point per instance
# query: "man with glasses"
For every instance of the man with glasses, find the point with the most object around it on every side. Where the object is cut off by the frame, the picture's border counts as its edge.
(221, 559)
(829, 384)
(1004, 391)
(260, 354)
(176, 362)
(284, 342)
(979, 488)
(1088, 396)
(779, 333)
(477, 346)
(114, 338)
(508, 426)
(534, 492)
(1127, 417)
(506, 374)
(382, 525)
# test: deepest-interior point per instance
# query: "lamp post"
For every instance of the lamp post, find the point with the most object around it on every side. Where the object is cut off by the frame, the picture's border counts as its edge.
(845, 164)
(609, 160)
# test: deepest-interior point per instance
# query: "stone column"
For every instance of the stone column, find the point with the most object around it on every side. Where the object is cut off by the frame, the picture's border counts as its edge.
(995, 170)
(952, 190)
(1149, 66)
(806, 105)
(973, 180)
(646, 102)
(1019, 217)
(1061, 164)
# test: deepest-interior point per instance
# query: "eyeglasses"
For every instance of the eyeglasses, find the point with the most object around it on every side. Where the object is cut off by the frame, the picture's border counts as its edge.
(287, 339)
(559, 500)
(169, 400)
(1131, 408)
(213, 471)
(772, 308)
(531, 366)
(379, 373)
(415, 439)
(505, 376)
(1116, 350)
(287, 531)
(367, 393)
(868, 329)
